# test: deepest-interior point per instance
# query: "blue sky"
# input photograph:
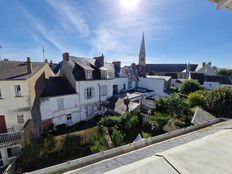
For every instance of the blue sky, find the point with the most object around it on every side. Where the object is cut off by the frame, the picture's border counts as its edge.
(176, 31)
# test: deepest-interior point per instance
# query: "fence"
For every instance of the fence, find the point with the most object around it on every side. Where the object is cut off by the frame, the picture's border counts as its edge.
(10, 137)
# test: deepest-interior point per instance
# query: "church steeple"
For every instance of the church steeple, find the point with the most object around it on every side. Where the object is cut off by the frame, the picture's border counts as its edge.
(142, 53)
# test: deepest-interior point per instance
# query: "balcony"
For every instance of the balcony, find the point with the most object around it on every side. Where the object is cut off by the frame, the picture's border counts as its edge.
(10, 137)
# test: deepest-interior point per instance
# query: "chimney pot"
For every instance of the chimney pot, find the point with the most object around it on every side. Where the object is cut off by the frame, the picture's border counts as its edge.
(46, 60)
(65, 56)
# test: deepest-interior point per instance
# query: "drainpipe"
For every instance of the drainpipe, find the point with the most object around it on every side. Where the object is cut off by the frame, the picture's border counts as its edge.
(99, 87)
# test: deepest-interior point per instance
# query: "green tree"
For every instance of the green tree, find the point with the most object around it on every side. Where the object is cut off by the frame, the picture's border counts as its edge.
(225, 72)
(118, 137)
(197, 99)
(219, 102)
(159, 120)
(189, 86)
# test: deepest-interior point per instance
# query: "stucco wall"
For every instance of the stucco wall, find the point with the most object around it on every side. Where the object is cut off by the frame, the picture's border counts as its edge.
(153, 84)
(11, 106)
(49, 109)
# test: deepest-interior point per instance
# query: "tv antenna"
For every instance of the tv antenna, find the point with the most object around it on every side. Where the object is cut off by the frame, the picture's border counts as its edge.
(43, 50)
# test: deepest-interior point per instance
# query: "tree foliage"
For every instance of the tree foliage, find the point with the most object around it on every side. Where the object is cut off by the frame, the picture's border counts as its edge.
(159, 120)
(189, 86)
(197, 99)
(225, 72)
(175, 106)
(118, 137)
(97, 144)
(219, 102)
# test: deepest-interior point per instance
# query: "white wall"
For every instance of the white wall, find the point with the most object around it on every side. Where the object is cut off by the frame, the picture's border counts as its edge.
(49, 109)
(82, 85)
(211, 85)
(207, 70)
(12, 106)
(153, 84)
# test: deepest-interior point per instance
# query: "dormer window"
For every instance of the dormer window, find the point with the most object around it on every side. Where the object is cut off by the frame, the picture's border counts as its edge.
(88, 74)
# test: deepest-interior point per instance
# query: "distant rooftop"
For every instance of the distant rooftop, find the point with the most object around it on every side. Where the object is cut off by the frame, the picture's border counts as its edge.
(17, 70)
(57, 86)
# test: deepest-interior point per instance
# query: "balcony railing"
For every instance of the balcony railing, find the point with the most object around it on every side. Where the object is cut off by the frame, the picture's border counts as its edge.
(10, 137)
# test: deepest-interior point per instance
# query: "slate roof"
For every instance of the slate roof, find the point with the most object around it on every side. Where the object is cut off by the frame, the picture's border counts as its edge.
(169, 67)
(57, 86)
(201, 116)
(201, 78)
(117, 105)
(198, 76)
(55, 67)
(220, 79)
(17, 70)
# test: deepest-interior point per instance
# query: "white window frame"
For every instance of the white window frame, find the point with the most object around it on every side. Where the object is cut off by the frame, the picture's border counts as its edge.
(104, 91)
(88, 74)
(89, 92)
(17, 90)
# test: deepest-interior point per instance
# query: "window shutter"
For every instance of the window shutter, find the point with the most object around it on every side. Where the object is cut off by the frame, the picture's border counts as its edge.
(85, 93)
(93, 92)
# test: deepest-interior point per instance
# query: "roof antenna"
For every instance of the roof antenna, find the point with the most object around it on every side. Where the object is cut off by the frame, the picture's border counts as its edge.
(43, 50)
(0, 54)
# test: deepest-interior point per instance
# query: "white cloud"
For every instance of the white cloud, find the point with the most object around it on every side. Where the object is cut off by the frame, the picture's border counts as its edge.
(70, 16)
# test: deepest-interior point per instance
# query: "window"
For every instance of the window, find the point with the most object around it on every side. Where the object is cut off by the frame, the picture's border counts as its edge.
(13, 151)
(17, 90)
(115, 89)
(104, 90)
(69, 117)
(60, 104)
(89, 93)
(88, 74)
(90, 110)
(124, 86)
(20, 119)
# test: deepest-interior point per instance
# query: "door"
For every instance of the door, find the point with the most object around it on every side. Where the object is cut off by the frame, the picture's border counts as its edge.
(2, 124)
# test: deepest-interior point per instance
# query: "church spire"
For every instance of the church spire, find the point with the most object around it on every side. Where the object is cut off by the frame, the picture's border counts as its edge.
(142, 53)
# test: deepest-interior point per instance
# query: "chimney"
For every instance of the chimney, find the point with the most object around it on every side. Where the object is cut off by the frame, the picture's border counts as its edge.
(29, 65)
(117, 68)
(203, 63)
(65, 56)
(45, 60)
(99, 60)
(209, 63)
(6, 59)
(126, 102)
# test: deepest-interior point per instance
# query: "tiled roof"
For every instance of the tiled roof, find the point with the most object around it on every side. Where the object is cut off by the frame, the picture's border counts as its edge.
(201, 78)
(17, 70)
(57, 86)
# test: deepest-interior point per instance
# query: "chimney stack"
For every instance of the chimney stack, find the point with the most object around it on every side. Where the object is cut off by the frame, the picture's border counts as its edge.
(126, 102)
(209, 63)
(29, 65)
(65, 56)
(203, 63)
(117, 68)
(46, 61)
(99, 60)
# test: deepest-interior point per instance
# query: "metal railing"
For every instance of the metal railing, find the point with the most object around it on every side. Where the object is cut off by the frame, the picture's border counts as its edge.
(10, 137)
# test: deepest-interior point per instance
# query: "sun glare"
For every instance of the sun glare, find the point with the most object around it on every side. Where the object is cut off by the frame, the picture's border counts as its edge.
(129, 4)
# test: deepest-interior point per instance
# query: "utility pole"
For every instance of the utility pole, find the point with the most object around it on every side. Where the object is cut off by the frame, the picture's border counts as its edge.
(43, 50)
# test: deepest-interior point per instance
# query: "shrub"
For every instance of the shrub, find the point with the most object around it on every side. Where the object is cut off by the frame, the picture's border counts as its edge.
(189, 86)
(219, 102)
(197, 99)
(159, 120)
(118, 137)
(48, 143)
(97, 144)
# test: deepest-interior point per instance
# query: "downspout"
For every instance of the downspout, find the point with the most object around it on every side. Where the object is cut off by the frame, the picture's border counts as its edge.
(99, 88)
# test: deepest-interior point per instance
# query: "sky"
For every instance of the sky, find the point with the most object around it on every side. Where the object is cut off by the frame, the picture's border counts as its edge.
(176, 31)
